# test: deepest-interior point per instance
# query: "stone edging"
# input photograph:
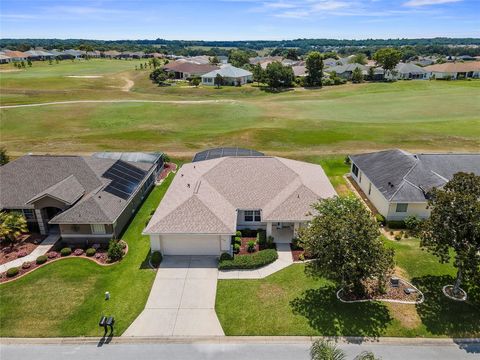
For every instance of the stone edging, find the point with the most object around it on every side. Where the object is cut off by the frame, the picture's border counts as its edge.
(421, 300)
(71, 256)
(464, 298)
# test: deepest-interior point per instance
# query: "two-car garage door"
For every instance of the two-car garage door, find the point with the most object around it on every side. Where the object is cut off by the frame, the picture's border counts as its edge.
(190, 244)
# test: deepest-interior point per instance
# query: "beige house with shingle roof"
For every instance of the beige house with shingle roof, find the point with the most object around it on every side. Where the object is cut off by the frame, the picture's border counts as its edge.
(208, 201)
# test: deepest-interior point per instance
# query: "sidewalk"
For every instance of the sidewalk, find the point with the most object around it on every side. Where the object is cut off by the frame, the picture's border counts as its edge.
(39, 250)
(284, 260)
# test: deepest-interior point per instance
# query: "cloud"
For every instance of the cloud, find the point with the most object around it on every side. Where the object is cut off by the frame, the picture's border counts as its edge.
(415, 3)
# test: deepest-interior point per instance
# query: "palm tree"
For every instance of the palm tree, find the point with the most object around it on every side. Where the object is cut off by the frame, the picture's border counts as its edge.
(365, 355)
(12, 225)
(326, 350)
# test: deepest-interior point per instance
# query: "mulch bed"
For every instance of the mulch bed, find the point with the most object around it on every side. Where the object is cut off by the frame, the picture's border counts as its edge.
(244, 246)
(166, 169)
(297, 251)
(392, 293)
(25, 246)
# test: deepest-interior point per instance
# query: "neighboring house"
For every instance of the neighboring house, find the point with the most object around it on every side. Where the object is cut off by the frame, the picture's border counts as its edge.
(39, 55)
(111, 54)
(346, 71)
(408, 71)
(329, 62)
(93, 54)
(155, 158)
(16, 55)
(4, 59)
(75, 54)
(300, 70)
(208, 201)
(397, 182)
(454, 70)
(231, 76)
(187, 70)
(86, 199)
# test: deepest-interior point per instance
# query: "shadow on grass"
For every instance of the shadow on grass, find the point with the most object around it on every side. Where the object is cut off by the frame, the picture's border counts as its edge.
(145, 263)
(443, 316)
(330, 317)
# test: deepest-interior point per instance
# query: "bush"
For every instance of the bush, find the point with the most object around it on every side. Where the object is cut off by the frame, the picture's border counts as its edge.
(78, 252)
(237, 240)
(270, 240)
(123, 244)
(236, 248)
(396, 224)
(380, 219)
(115, 250)
(52, 254)
(42, 259)
(156, 258)
(259, 259)
(262, 237)
(238, 233)
(90, 252)
(297, 244)
(301, 257)
(398, 237)
(26, 265)
(249, 233)
(66, 251)
(21, 254)
(225, 256)
(251, 245)
(413, 224)
(13, 272)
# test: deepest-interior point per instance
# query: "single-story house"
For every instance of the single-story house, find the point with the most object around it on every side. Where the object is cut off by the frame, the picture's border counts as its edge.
(346, 71)
(300, 70)
(39, 54)
(16, 55)
(408, 71)
(454, 70)
(154, 158)
(111, 54)
(397, 182)
(5, 59)
(329, 62)
(86, 199)
(75, 54)
(187, 70)
(208, 201)
(231, 76)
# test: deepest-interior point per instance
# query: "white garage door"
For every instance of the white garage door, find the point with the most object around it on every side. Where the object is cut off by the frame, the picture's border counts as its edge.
(190, 245)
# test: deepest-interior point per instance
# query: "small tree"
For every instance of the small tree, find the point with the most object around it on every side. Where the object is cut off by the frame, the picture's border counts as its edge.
(454, 223)
(345, 238)
(357, 76)
(155, 62)
(371, 73)
(278, 76)
(29, 62)
(326, 350)
(4, 158)
(258, 74)
(360, 58)
(387, 58)
(115, 250)
(218, 81)
(314, 66)
(12, 225)
(238, 58)
(195, 81)
(213, 60)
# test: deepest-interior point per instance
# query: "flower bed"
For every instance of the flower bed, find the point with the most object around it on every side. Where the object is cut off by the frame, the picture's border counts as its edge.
(25, 246)
(250, 261)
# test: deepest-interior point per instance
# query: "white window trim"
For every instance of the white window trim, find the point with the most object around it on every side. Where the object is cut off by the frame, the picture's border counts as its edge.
(96, 230)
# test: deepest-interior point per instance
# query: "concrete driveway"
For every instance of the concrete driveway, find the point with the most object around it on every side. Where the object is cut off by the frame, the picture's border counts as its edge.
(182, 300)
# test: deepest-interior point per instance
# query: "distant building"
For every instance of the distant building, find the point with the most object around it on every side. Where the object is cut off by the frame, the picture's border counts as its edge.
(455, 70)
(187, 70)
(231, 76)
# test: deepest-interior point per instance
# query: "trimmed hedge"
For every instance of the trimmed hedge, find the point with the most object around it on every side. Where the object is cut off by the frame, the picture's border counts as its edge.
(42, 259)
(156, 258)
(90, 252)
(262, 237)
(225, 256)
(254, 261)
(13, 272)
(65, 251)
(396, 224)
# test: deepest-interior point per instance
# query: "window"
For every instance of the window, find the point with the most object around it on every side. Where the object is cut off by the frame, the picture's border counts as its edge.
(251, 215)
(369, 188)
(402, 208)
(355, 170)
(29, 214)
(98, 229)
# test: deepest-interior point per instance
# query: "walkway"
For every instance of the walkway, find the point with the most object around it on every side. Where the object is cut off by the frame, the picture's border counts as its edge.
(41, 249)
(284, 259)
(182, 300)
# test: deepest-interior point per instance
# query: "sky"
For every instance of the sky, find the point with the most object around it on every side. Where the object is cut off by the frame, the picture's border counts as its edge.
(238, 19)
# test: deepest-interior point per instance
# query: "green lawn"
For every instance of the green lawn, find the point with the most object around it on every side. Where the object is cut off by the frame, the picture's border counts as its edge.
(292, 303)
(66, 298)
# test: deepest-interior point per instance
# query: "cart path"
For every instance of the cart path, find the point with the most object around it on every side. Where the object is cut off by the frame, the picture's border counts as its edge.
(129, 84)
(186, 102)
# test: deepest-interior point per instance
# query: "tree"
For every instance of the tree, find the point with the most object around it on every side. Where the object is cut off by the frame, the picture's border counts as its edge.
(158, 76)
(155, 62)
(4, 158)
(258, 73)
(29, 62)
(360, 58)
(238, 58)
(326, 350)
(357, 75)
(218, 81)
(213, 60)
(195, 81)
(387, 58)
(292, 54)
(277, 75)
(454, 223)
(314, 65)
(344, 236)
(371, 73)
(12, 225)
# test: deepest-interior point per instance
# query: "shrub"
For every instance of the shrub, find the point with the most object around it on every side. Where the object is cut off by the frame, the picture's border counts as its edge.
(251, 245)
(297, 244)
(301, 257)
(380, 219)
(236, 248)
(13, 272)
(396, 224)
(115, 250)
(52, 254)
(90, 252)
(398, 237)
(26, 265)
(225, 256)
(156, 258)
(238, 233)
(123, 244)
(412, 223)
(66, 251)
(262, 237)
(259, 259)
(21, 254)
(237, 240)
(270, 240)
(42, 259)
(78, 252)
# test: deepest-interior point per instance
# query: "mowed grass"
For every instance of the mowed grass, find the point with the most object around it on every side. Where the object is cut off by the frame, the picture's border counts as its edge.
(291, 302)
(415, 115)
(66, 298)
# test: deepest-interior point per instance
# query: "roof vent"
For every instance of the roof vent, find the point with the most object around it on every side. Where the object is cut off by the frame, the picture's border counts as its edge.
(188, 185)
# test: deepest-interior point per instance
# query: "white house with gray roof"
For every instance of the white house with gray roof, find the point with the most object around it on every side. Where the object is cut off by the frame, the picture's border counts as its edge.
(397, 182)
(231, 76)
(86, 199)
(209, 200)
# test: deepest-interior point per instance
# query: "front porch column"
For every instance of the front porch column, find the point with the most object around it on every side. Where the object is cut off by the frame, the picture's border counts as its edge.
(41, 222)
(269, 229)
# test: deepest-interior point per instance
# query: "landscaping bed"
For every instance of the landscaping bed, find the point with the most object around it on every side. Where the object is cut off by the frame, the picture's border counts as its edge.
(26, 244)
(250, 261)
(167, 168)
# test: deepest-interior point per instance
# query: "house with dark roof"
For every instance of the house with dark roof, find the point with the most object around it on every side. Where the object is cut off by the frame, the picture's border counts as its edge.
(87, 199)
(398, 183)
(187, 70)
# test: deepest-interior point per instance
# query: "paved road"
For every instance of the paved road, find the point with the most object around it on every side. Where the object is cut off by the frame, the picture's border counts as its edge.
(214, 351)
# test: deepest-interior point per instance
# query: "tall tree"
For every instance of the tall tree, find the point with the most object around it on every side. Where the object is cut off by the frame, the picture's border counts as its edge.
(258, 73)
(344, 236)
(359, 58)
(12, 225)
(218, 81)
(314, 65)
(4, 158)
(279, 76)
(387, 58)
(357, 75)
(454, 223)
(213, 60)
(238, 58)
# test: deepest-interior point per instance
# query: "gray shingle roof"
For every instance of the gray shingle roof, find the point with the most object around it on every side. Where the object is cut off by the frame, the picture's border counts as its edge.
(409, 68)
(228, 71)
(63, 177)
(404, 177)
